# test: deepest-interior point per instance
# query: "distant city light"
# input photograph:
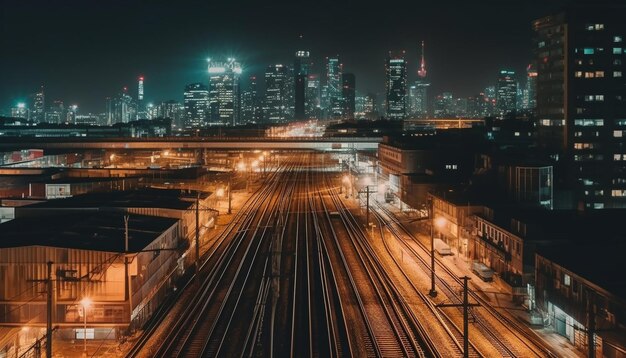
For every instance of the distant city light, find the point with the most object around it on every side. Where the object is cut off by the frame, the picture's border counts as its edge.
(21, 105)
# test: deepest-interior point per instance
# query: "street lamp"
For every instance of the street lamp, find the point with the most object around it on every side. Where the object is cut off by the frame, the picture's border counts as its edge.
(86, 303)
(346, 182)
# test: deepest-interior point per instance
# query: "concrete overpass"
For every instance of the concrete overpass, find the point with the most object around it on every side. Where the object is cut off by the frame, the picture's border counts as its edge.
(216, 143)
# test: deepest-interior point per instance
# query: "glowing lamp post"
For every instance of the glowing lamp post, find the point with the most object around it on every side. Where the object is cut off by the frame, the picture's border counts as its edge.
(86, 303)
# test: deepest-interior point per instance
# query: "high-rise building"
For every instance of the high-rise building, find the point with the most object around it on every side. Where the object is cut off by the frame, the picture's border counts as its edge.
(506, 95)
(301, 69)
(39, 106)
(119, 109)
(581, 100)
(370, 106)
(140, 90)
(173, 110)
(348, 94)
(250, 107)
(444, 106)
(72, 113)
(224, 98)
(334, 69)
(396, 86)
(290, 94)
(276, 94)
(530, 99)
(418, 93)
(20, 111)
(490, 101)
(196, 101)
(55, 112)
(312, 95)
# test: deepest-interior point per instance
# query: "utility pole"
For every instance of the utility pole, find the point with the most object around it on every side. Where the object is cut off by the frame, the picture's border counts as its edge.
(230, 188)
(433, 291)
(49, 311)
(198, 232)
(128, 288)
(466, 305)
(367, 205)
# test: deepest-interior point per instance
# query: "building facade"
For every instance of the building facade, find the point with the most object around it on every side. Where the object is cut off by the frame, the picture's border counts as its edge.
(348, 95)
(396, 86)
(275, 108)
(196, 104)
(506, 95)
(224, 97)
(581, 100)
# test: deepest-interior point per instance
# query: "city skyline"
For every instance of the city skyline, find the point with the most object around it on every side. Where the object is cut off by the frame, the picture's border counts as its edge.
(169, 47)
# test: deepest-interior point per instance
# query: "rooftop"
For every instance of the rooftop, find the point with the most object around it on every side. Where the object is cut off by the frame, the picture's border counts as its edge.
(142, 198)
(600, 264)
(103, 231)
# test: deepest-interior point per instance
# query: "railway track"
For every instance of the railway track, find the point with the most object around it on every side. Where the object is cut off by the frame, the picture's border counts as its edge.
(454, 333)
(203, 328)
(523, 346)
(394, 333)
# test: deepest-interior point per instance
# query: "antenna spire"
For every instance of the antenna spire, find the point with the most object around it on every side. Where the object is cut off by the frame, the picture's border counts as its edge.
(422, 71)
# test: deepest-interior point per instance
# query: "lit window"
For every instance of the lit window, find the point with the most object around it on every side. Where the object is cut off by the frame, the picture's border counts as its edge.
(617, 73)
(589, 27)
(617, 61)
(617, 134)
(517, 134)
(567, 280)
(617, 157)
(589, 98)
(589, 75)
(599, 73)
(598, 205)
(617, 50)
(619, 193)
(617, 39)
(588, 51)
(578, 74)
(599, 26)
(599, 97)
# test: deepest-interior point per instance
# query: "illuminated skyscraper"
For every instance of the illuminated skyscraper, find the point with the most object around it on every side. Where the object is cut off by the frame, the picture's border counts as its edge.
(276, 94)
(348, 94)
(581, 100)
(530, 100)
(39, 106)
(506, 95)
(334, 69)
(140, 90)
(173, 110)
(312, 95)
(56, 111)
(250, 107)
(396, 91)
(141, 106)
(224, 98)
(418, 93)
(120, 108)
(20, 111)
(301, 69)
(196, 105)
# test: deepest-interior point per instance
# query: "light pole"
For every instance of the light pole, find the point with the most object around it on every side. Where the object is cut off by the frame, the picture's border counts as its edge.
(85, 302)
(439, 222)
(346, 183)
(230, 187)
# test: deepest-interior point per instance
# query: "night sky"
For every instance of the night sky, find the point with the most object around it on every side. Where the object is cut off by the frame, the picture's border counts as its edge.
(85, 50)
